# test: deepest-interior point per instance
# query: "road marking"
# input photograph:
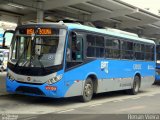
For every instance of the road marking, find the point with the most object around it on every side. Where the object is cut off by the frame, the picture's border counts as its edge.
(115, 98)
(29, 118)
(131, 108)
(60, 107)
(150, 95)
(95, 105)
(65, 111)
(134, 98)
(118, 101)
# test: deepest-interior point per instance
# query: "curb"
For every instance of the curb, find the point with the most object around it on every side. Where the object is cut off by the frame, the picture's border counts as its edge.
(4, 93)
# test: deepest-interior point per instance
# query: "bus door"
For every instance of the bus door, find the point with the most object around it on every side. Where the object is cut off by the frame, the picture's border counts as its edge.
(74, 50)
(78, 49)
(75, 56)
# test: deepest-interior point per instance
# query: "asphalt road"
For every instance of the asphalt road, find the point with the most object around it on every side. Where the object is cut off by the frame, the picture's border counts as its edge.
(2, 83)
(107, 106)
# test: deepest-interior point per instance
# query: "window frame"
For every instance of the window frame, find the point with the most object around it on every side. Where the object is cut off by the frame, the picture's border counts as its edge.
(134, 41)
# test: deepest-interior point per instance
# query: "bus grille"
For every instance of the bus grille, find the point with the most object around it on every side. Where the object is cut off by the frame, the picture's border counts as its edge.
(29, 90)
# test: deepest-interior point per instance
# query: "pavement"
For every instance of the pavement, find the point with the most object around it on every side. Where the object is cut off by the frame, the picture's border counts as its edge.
(22, 104)
(106, 106)
(3, 83)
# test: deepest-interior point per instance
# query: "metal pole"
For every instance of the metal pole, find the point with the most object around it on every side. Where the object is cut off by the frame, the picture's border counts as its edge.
(40, 11)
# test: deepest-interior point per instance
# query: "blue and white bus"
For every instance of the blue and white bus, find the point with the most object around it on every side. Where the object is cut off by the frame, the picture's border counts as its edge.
(65, 59)
(157, 78)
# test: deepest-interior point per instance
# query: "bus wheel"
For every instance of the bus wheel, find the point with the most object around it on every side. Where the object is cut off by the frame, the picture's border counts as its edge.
(136, 85)
(87, 91)
(2, 69)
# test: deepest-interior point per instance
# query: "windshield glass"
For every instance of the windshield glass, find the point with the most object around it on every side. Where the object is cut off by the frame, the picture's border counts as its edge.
(38, 51)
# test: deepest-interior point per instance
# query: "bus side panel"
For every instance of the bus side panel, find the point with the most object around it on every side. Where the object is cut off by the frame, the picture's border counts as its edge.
(147, 82)
(112, 75)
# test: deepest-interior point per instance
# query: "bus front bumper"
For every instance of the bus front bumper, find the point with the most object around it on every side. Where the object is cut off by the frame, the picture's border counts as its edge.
(44, 90)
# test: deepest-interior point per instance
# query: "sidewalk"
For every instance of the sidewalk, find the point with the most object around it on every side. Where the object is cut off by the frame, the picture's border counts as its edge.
(3, 83)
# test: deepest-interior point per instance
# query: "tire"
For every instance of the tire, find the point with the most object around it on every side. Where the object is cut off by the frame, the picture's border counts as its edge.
(87, 91)
(1, 69)
(136, 85)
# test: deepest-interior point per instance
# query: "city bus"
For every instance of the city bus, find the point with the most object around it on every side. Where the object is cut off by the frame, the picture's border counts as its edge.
(66, 59)
(157, 77)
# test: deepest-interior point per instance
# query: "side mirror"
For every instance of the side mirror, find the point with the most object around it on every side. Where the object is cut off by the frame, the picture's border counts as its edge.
(7, 38)
(4, 41)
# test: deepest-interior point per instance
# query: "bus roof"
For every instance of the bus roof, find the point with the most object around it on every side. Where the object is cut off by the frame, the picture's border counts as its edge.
(71, 26)
(105, 31)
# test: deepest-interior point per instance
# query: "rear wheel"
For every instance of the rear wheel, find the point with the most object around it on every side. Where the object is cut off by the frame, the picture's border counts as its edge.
(87, 91)
(136, 85)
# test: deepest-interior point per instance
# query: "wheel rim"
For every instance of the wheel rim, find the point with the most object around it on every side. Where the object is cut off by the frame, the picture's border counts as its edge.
(88, 90)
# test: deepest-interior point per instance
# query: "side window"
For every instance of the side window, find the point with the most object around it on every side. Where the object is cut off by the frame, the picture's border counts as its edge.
(112, 47)
(95, 46)
(139, 51)
(99, 46)
(127, 50)
(149, 53)
(158, 52)
(91, 42)
(68, 51)
(79, 48)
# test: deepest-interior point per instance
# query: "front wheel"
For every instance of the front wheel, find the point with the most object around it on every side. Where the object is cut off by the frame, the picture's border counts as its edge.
(136, 85)
(87, 91)
(1, 69)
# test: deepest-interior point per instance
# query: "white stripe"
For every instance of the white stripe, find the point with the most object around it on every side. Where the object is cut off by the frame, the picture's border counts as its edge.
(131, 108)
(118, 101)
(135, 98)
(65, 111)
(29, 118)
(95, 105)
(151, 95)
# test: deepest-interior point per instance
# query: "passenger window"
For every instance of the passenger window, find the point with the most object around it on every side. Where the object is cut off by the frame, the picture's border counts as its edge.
(127, 50)
(149, 52)
(91, 40)
(112, 48)
(95, 46)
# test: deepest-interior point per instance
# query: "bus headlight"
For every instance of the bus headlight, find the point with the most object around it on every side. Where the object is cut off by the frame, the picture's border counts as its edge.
(54, 80)
(10, 76)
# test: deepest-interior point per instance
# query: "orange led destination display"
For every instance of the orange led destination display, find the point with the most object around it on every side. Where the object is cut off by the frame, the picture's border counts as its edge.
(42, 31)
(29, 31)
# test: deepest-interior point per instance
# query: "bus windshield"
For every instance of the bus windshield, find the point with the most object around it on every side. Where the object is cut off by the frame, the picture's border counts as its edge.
(38, 50)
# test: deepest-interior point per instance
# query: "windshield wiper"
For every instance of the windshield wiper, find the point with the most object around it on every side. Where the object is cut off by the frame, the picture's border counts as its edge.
(33, 50)
(29, 62)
